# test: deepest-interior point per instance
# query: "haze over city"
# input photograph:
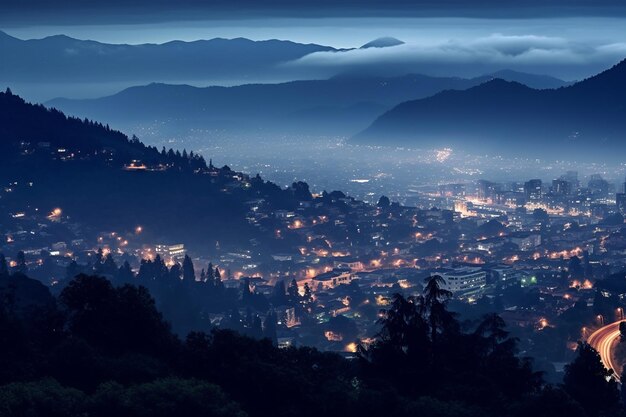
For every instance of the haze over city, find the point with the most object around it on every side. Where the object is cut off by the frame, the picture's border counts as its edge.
(299, 208)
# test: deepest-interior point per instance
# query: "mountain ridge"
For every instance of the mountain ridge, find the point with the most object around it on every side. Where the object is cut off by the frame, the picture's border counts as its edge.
(83, 167)
(583, 120)
(63, 59)
(282, 107)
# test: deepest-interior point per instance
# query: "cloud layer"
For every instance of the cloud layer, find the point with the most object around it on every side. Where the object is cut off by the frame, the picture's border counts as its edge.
(555, 56)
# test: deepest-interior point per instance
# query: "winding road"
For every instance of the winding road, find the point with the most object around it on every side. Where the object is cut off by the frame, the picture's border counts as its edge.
(604, 340)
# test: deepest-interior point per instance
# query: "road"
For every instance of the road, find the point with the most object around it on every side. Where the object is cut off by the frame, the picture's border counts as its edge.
(604, 340)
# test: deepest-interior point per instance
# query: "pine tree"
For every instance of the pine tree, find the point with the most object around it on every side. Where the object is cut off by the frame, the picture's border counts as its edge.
(108, 266)
(175, 272)
(125, 273)
(189, 274)
(218, 278)
(279, 296)
(294, 295)
(308, 295)
(97, 263)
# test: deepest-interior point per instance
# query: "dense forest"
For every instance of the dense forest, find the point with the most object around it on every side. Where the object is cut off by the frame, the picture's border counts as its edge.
(55, 153)
(98, 349)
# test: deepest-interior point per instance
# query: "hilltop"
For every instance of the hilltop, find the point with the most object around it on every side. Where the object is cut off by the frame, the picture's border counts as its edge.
(585, 120)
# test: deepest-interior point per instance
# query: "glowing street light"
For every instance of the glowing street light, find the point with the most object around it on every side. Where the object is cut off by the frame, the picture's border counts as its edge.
(55, 214)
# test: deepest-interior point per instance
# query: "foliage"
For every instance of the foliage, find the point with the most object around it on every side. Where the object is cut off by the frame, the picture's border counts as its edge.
(102, 350)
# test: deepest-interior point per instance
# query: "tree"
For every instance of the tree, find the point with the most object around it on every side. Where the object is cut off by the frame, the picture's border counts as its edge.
(308, 295)
(384, 202)
(269, 327)
(292, 291)
(163, 398)
(90, 302)
(4, 268)
(218, 278)
(575, 268)
(435, 297)
(540, 215)
(97, 263)
(401, 321)
(72, 270)
(279, 296)
(40, 398)
(108, 266)
(125, 273)
(189, 274)
(549, 402)
(587, 381)
(175, 272)
(21, 263)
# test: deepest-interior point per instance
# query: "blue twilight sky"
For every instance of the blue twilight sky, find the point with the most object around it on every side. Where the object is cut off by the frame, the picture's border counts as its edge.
(569, 47)
(569, 39)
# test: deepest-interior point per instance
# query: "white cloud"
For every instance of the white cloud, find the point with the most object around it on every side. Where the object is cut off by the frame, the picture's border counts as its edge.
(470, 57)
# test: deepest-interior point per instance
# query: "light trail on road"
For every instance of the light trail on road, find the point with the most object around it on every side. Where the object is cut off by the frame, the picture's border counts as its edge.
(603, 340)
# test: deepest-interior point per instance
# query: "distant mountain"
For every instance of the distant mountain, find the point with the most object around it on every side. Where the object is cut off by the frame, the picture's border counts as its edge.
(341, 105)
(538, 81)
(384, 42)
(64, 59)
(103, 179)
(586, 120)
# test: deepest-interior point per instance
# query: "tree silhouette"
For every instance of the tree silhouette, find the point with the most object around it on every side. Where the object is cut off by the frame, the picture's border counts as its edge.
(435, 297)
(383, 202)
(590, 383)
(4, 268)
(189, 274)
(269, 327)
(125, 274)
(21, 263)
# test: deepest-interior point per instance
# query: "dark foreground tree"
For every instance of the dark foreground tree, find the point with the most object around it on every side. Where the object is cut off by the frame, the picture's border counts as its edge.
(587, 381)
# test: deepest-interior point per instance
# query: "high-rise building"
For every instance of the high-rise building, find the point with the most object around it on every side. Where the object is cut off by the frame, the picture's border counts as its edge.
(561, 187)
(487, 189)
(572, 178)
(532, 190)
(598, 186)
(620, 201)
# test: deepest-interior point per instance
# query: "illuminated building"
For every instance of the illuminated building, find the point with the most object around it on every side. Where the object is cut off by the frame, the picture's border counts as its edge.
(176, 251)
(464, 282)
(620, 201)
(561, 187)
(525, 240)
(332, 279)
(532, 190)
(598, 186)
